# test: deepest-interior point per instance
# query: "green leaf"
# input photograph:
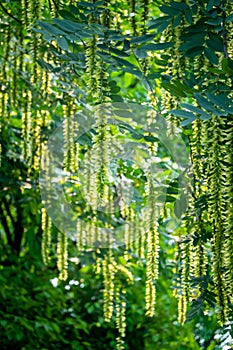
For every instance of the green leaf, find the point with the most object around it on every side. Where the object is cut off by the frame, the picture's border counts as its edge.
(142, 39)
(220, 101)
(67, 14)
(151, 138)
(173, 89)
(229, 18)
(203, 114)
(195, 51)
(177, 20)
(155, 47)
(141, 53)
(214, 42)
(188, 16)
(62, 43)
(191, 41)
(209, 5)
(67, 26)
(204, 103)
(51, 29)
(183, 114)
(169, 10)
(116, 98)
(215, 21)
(124, 62)
(118, 52)
(211, 56)
(186, 122)
(179, 5)
(191, 108)
(45, 65)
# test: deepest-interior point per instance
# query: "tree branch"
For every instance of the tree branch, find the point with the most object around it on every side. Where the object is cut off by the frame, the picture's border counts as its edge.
(9, 14)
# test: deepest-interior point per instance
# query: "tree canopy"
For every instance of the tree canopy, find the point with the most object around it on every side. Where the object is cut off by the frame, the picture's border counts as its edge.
(117, 158)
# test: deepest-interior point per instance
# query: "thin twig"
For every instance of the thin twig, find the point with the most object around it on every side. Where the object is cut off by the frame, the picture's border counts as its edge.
(10, 15)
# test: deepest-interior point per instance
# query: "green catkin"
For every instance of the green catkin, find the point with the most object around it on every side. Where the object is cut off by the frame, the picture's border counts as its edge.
(122, 272)
(101, 150)
(107, 16)
(91, 67)
(128, 230)
(62, 254)
(25, 7)
(34, 12)
(145, 15)
(199, 253)
(46, 236)
(141, 241)
(55, 7)
(182, 308)
(120, 317)
(27, 124)
(197, 155)
(15, 96)
(152, 264)
(68, 135)
(197, 146)
(229, 216)
(186, 260)
(132, 13)
(216, 216)
(109, 270)
(3, 75)
(46, 222)
(45, 87)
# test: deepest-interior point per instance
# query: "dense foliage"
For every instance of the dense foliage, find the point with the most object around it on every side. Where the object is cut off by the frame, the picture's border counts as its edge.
(136, 179)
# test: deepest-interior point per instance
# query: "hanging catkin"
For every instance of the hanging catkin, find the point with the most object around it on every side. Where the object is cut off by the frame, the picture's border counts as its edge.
(62, 254)
(216, 202)
(46, 236)
(229, 216)
(108, 275)
(152, 264)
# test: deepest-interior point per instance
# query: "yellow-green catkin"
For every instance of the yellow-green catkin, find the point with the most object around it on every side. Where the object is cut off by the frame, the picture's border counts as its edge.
(3, 75)
(107, 16)
(120, 317)
(132, 15)
(228, 251)
(32, 14)
(109, 270)
(27, 124)
(184, 294)
(152, 263)
(46, 235)
(70, 130)
(91, 67)
(101, 152)
(55, 7)
(216, 183)
(62, 255)
(122, 272)
(197, 146)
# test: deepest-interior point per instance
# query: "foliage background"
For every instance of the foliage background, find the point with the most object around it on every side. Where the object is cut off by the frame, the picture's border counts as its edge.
(34, 314)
